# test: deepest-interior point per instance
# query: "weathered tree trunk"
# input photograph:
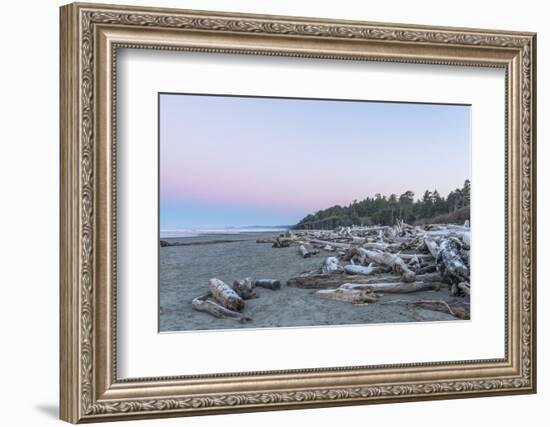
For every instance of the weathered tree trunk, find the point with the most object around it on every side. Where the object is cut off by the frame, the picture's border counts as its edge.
(206, 305)
(244, 288)
(268, 284)
(359, 269)
(225, 295)
(449, 262)
(391, 260)
(395, 288)
(354, 296)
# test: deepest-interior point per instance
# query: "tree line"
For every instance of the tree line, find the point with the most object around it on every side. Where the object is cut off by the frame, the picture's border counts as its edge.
(382, 210)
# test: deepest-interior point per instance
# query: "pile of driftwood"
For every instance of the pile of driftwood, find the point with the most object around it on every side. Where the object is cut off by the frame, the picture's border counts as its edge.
(369, 262)
(227, 302)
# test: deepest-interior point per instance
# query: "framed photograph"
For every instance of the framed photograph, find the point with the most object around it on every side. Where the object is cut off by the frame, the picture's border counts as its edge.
(266, 212)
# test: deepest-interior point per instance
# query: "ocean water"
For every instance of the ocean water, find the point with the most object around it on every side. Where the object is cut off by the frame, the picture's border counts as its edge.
(194, 232)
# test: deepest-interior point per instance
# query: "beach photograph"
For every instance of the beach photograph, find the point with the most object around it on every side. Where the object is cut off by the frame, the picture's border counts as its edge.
(292, 212)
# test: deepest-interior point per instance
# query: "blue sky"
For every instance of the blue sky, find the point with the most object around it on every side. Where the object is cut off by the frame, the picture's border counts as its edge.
(237, 161)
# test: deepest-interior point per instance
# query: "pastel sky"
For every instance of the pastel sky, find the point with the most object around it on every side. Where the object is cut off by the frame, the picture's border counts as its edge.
(241, 161)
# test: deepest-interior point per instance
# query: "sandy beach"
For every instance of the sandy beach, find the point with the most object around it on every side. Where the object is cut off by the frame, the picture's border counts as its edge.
(185, 271)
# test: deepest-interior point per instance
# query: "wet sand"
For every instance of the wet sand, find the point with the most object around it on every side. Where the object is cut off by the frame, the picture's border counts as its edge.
(185, 271)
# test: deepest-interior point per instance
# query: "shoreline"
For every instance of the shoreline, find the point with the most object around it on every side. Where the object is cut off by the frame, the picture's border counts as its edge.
(166, 243)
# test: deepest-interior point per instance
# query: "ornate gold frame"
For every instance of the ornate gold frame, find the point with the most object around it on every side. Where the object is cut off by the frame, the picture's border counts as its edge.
(90, 35)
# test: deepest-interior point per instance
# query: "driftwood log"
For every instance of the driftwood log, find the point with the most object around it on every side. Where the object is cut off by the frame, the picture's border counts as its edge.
(433, 249)
(450, 263)
(225, 295)
(316, 280)
(244, 288)
(204, 304)
(395, 288)
(268, 284)
(390, 260)
(359, 269)
(354, 296)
